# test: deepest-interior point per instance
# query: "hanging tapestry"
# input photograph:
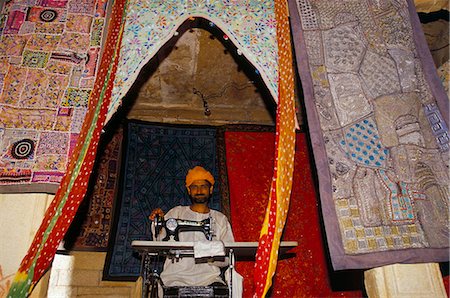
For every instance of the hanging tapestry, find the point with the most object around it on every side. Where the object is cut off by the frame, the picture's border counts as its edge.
(73, 186)
(304, 272)
(444, 76)
(378, 119)
(250, 25)
(156, 162)
(49, 51)
(90, 229)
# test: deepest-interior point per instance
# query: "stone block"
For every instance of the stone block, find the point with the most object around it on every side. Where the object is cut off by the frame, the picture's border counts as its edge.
(262, 116)
(89, 260)
(405, 281)
(111, 284)
(54, 273)
(62, 291)
(63, 262)
(104, 291)
(105, 296)
(79, 277)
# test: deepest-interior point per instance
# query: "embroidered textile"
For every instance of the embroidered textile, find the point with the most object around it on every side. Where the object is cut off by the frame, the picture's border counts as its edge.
(156, 163)
(444, 75)
(250, 25)
(73, 186)
(48, 61)
(91, 227)
(378, 118)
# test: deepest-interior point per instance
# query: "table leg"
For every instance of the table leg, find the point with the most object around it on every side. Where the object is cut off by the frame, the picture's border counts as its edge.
(230, 286)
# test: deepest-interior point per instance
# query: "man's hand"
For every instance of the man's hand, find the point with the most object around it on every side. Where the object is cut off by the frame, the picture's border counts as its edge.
(155, 212)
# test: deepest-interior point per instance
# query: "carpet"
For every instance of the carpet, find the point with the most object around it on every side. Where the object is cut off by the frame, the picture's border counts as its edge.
(91, 227)
(157, 158)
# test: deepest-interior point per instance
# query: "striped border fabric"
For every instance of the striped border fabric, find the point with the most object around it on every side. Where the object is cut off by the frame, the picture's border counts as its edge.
(276, 212)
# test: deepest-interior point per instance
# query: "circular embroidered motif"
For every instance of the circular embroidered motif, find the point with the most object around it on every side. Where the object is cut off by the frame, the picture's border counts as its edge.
(48, 15)
(22, 149)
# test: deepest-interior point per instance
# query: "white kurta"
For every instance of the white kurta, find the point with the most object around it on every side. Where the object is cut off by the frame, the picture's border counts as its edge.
(185, 272)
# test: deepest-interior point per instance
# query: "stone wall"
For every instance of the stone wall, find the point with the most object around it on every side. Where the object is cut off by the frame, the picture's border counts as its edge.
(197, 67)
(20, 218)
(79, 274)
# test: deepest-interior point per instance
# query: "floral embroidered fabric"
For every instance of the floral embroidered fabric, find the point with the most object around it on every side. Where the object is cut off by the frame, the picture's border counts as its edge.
(250, 25)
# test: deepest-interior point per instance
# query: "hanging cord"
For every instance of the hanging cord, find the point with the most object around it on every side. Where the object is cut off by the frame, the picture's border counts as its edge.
(222, 91)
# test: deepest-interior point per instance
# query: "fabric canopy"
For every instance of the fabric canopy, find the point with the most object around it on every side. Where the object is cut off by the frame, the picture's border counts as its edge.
(250, 25)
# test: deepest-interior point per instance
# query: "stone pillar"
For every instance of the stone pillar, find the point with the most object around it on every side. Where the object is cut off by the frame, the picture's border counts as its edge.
(79, 274)
(40, 290)
(405, 280)
(20, 217)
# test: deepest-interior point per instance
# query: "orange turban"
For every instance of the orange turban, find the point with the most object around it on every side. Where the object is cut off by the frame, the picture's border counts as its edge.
(198, 173)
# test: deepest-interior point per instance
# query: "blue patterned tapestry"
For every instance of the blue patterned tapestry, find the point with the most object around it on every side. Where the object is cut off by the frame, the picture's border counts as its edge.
(157, 158)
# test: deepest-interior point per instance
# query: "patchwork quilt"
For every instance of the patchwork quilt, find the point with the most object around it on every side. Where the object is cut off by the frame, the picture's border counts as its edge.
(378, 118)
(49, 51)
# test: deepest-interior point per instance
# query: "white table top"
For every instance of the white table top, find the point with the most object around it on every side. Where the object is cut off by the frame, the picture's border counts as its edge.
(240, 249)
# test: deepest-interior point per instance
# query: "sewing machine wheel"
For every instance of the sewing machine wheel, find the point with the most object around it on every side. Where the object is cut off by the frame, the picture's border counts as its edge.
(171, 224)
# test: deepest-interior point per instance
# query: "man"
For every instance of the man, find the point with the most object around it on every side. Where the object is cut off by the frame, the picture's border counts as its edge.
(186, 271)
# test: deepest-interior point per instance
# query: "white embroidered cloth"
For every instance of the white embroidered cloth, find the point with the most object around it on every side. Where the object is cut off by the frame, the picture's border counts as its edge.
(206, 248)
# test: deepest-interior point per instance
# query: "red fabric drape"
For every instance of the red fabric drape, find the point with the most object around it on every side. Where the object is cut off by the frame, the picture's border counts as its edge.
(281, 184)
(250, 165)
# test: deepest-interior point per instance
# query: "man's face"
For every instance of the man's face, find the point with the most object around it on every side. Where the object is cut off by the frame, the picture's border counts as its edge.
(200, 191)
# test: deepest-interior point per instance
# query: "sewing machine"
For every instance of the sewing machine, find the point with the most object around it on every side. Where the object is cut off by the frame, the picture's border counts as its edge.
(173, 226)
(172, 249)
